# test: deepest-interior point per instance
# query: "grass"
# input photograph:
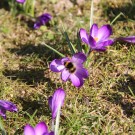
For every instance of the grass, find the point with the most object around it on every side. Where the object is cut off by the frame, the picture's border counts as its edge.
(105, 105)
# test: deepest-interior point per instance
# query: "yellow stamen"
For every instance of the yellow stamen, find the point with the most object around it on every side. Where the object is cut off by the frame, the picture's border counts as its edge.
(96, 39)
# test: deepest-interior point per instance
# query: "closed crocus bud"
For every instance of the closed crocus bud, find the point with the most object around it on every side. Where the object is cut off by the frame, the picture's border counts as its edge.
(56, 101)
(6, 106)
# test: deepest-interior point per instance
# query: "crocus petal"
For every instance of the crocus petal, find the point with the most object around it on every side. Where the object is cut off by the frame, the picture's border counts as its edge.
(8, 105)
(94, 30)
(130, 39)
(51, 133)
(84, 36)
(108, 42)
(82, 72)
(92, 42)
(37, 25)
(29, 130)
(57, 101)
(79, 58)
(102, 46)
(76, 80)
(41, 128)
(56, 65)
(20, 1)
(46, 16)
(104, 32)
(63, 60)
(42, 20)
(65, 75)
(3, 112)
(50, 102)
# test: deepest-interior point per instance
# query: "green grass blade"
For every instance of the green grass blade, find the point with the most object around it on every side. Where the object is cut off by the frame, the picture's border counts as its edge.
(69, 43)
(60, 54)
(72, 49)
(29, 7)
(131, 92)
(79, 46)
(117, 17)
(2, 128)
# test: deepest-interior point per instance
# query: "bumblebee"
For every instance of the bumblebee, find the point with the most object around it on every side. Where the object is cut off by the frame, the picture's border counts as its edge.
(69, 66)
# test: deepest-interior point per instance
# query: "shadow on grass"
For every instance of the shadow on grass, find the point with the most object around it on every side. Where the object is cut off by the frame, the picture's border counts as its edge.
(30, 106)
(36, 108)
(127, 101)
(40, 50)
(4, 4)
(31, 77)
(111, 11)
(126, 84)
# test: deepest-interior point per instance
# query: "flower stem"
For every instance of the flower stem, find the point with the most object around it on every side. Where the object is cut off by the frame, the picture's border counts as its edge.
(57, 121)
(52, 124)
(91, 13)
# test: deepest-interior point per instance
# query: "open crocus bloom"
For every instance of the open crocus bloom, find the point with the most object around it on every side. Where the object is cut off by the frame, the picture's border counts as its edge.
(98, 38)
(56, 101)
(129, 39)
(20, 1)
(71, 68)
(6, 106)
(40, 129)
(42, 20)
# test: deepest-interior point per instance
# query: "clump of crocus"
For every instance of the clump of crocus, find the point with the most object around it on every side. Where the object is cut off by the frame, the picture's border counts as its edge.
(42, 20)
(6, 106)
(56, 101)
(40, 129)
(20, 1)
(71, 68)
(98, 38)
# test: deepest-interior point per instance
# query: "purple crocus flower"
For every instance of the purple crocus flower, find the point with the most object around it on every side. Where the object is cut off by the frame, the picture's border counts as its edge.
(42, 20)
(56, 101)
(129, 39)
(98, 38)
(71, 68)
(40, 129)
(6, 106)
(20, 1)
